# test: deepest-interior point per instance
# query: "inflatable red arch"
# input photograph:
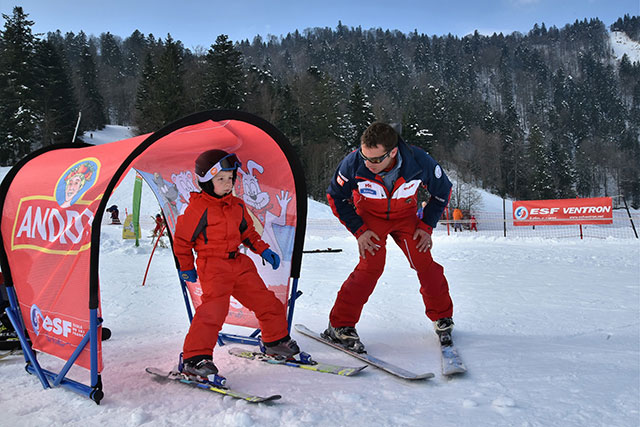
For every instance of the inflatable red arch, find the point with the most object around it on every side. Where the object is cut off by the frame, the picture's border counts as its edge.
(53, 201)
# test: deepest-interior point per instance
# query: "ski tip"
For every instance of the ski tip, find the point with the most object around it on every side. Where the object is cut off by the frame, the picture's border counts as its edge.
(424, 376)
(455, 372)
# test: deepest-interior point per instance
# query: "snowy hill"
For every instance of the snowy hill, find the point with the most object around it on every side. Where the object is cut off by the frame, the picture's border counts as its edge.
(549, 330)
(621, 44)
(110, 133)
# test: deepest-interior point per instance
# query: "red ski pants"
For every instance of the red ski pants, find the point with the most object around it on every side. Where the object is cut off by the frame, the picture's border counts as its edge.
(355, 291)
(220, 279)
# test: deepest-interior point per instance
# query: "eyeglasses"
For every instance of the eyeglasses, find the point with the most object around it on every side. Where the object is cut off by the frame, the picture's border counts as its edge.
(227, 163)
(379, 159)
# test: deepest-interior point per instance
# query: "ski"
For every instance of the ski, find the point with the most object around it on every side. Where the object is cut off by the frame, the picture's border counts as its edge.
(451, 361)
(177, 376)
(12, 352)
(305, 362)
(317, 251)
(371, 360)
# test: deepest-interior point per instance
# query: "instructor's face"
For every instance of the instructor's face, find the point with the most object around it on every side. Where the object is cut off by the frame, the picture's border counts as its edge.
(371, 154)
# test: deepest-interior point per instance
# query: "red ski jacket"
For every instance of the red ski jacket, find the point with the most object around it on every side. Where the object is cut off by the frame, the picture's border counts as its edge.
(355, 189)
(214, 227)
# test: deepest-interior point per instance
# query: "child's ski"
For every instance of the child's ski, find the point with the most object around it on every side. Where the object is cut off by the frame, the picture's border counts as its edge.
(305, 362)
(177, 376)
(381, 364)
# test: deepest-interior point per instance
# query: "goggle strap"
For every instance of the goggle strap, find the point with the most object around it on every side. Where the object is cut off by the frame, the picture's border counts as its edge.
(232, 164)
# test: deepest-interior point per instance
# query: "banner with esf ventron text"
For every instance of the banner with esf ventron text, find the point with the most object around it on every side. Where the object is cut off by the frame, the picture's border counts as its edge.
(597, 210)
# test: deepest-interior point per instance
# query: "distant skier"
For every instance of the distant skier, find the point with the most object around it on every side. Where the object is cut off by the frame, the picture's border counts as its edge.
(457, 219)
(159, 230)
(214, 224)
(373, 193)
(115, 214)
(473, 224)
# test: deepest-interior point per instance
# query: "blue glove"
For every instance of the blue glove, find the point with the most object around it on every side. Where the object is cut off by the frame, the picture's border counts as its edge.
(271, 257)
(189, 275)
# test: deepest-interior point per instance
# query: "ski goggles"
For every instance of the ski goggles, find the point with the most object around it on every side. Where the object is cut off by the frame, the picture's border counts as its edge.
(227, 163)
(378, 159)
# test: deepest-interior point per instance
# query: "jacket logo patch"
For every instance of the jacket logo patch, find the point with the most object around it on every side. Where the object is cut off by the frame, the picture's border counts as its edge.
(341, 179)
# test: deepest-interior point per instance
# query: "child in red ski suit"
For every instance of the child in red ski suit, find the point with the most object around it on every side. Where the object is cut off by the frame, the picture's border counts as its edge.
(159, 226)
(214, 224)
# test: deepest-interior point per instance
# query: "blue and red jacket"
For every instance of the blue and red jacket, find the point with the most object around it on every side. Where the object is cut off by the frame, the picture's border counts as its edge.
(354, 189)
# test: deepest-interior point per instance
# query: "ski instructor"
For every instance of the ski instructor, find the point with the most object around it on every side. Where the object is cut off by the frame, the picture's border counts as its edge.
(374, 194)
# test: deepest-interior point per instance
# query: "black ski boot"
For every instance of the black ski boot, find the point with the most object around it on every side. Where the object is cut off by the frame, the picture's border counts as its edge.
(443, 328)
(284, 348)
(346, 336)
(201, 368)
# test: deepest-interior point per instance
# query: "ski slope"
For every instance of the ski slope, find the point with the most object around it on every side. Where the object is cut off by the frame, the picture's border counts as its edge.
(549, 330)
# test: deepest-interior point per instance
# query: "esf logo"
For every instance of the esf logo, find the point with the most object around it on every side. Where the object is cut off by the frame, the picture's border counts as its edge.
(521, 213)
(55, 326)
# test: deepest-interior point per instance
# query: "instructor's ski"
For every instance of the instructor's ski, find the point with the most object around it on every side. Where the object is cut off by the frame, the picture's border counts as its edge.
(451, 361)
(305, 362)
(177, 376)
(374, 361)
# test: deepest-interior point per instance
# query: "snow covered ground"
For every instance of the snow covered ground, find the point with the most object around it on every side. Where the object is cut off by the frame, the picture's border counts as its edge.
(621, 44)
(549, 330)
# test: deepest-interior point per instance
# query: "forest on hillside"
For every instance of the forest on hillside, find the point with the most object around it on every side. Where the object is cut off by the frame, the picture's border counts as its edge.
(547, 114)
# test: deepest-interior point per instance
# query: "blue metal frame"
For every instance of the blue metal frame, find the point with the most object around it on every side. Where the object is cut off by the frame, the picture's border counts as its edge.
(49, 378)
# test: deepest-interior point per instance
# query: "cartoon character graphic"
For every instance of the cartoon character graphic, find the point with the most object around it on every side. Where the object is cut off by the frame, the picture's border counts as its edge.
(275, 232)
(168, 191)
(184, 184)
(75, 182)
(253, 195)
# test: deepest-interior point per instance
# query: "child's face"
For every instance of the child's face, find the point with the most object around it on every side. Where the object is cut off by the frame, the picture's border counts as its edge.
(223, 183)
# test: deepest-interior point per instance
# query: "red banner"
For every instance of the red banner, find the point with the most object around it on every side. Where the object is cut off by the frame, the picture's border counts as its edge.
(265, 183)
(53, 199)
(563, 211)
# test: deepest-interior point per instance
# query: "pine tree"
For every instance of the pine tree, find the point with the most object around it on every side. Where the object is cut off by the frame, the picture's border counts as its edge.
(90, 98)
(359, 118)
(134, 51)
(112, 78)
(147, 116)
(260, 94)
(160, 98)
(321, 116)
(56, 99)
(18, 105)
(224, 87)
(540, 180)
(287, 115)
(170, 82)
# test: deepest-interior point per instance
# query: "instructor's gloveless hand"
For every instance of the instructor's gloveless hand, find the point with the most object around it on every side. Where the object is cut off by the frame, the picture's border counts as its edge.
(366, 243)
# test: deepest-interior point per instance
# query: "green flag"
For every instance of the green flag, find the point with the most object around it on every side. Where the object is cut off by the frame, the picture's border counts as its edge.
(137, 195)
